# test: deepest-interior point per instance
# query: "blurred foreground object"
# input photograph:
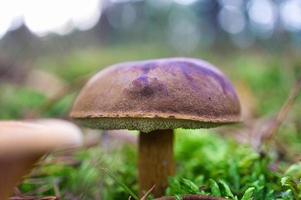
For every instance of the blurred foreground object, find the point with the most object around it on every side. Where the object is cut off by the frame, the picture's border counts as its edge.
(22, 144)
(155, 97)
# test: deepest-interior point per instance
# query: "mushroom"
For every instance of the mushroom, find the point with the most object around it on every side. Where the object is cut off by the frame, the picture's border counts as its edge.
(22, 144)
(155, 97)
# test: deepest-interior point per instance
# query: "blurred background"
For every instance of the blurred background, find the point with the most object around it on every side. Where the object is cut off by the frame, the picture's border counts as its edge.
(34, 28)
(50, 48)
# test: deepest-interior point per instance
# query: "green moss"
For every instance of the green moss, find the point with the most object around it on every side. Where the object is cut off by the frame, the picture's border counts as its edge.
(15, 102)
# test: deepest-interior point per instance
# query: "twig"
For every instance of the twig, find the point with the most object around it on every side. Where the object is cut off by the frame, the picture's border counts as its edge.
(125, 187)
(148, 193)
(56, 189)
(269, 129)
(285, 109)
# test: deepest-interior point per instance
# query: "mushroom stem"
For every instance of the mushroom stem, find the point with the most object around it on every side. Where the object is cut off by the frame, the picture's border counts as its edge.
(12, 171)
(155, 161)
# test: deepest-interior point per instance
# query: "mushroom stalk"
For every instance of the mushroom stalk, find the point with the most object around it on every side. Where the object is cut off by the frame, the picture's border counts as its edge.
(12, 171)
(155, 162)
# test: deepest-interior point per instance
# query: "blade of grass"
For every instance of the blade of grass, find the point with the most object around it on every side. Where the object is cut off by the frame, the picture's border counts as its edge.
(125, 187)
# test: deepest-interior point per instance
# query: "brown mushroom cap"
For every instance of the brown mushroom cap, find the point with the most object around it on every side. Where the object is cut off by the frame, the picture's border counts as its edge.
(157, 94)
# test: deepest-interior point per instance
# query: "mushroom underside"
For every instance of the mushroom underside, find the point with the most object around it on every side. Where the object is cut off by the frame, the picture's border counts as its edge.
(147, 124)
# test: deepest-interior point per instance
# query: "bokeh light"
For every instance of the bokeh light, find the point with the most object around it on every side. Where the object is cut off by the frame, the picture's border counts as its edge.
(185, 2)
(231, 19)
(85, 13)
(49, 16)
(291, 14)
(41, 19)
(10, 15)
(263, 16)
